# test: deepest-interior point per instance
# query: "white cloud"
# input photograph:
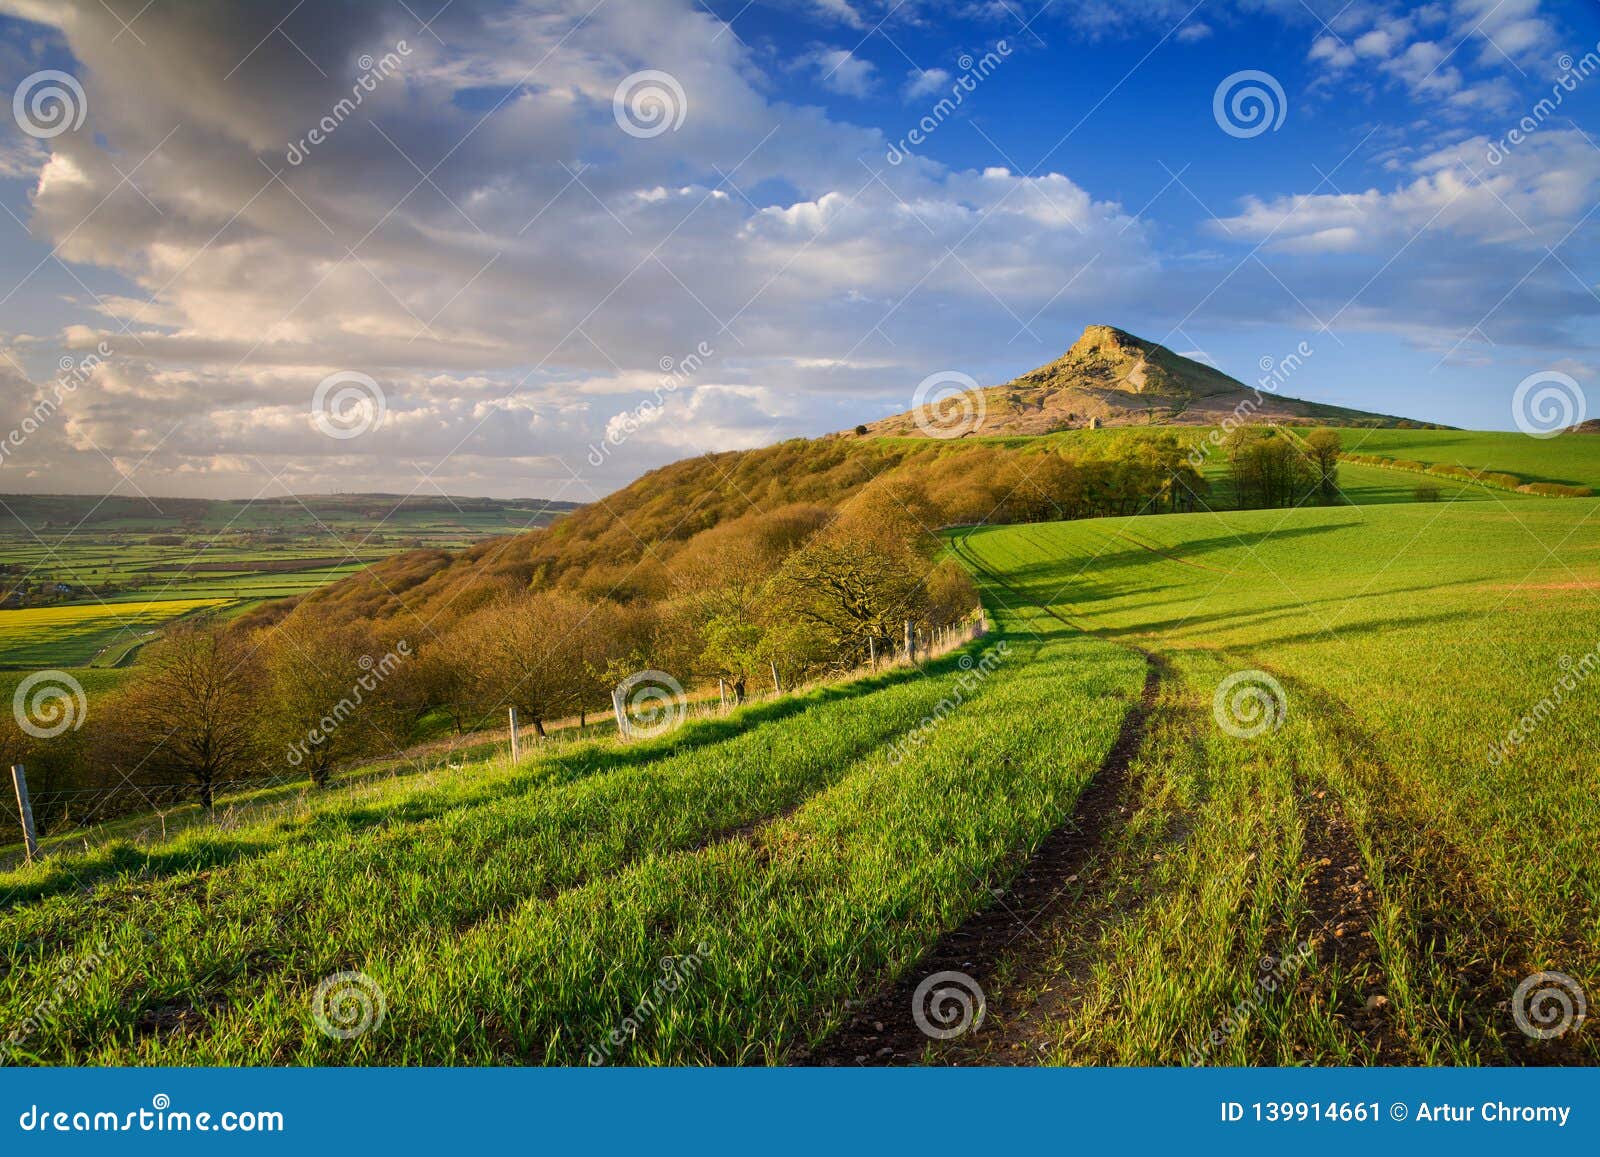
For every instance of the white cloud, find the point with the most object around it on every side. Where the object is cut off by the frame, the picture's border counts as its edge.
(840, 10)
(527, 292)
(925, 82)
(1533, 199)
(841, 71)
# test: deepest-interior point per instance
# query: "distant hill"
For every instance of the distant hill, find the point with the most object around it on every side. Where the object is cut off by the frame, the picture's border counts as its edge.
(21, 513)
(1111, 378)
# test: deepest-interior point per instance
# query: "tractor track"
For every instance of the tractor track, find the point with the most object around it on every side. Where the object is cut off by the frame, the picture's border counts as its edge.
(1002, 937)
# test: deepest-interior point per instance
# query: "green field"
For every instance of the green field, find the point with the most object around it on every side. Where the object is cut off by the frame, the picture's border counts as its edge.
(1409, 641)
(1377, 846)
(74, 634)
(782, 842)
(1573, 459)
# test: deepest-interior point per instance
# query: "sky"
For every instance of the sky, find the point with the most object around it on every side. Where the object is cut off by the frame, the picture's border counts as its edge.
(511, 249)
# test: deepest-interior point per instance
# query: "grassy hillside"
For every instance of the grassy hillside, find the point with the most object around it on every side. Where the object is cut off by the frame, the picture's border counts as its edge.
(800, 860)
(1406, 656)
(1572, 459)
(786, 842)
(622, 547)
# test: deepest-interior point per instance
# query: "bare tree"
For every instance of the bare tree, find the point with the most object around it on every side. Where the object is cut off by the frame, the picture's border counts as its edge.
(188, 714)
(332, 692)
(526, 652)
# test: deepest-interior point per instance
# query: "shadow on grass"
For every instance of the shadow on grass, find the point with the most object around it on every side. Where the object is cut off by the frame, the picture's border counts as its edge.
(203, 849)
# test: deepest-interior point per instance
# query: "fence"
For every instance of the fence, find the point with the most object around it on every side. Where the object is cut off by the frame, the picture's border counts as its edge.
(77, 818)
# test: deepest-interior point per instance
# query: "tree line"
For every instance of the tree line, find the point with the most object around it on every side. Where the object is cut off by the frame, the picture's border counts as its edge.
(803, 589)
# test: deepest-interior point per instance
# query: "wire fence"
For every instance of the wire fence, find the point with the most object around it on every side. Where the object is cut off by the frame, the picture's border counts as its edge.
(77, 819)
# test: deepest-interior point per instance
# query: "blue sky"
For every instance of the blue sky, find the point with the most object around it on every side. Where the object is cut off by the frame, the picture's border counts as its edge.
(519, 283)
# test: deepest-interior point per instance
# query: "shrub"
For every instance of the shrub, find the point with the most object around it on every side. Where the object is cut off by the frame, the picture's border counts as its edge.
(1426, 492)
(1555, 490)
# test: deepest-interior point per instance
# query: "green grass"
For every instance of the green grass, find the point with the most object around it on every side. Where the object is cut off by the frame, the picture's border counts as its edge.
(519, 914)
(796, 846)
(1409, 639)
(1571, 459)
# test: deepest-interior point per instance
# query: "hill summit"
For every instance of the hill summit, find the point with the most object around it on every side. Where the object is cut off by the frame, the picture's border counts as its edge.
(1109, 377)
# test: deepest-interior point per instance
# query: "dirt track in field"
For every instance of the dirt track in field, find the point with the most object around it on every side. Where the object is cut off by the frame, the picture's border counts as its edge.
(882, 1029)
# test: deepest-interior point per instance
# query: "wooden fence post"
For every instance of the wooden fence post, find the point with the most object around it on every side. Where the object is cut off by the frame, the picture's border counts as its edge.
(19, 780)
(777, 688)
(622, 716)
(722, 693)
(516, 750)
(911, 641)
(872, 653)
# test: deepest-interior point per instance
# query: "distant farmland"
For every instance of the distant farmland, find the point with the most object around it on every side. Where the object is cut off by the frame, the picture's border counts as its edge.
(90, 578)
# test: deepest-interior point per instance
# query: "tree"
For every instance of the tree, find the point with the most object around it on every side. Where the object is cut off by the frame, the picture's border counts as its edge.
(188, 714)
(54, 765)
(723, 577)
(1324, 447)
(851, 586)
(616, 641)
(524, 651)
(1268, 469)
(951, 595)
(332, 692)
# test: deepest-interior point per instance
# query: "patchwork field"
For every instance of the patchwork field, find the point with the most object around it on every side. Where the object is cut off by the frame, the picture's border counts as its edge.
(87, 579)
